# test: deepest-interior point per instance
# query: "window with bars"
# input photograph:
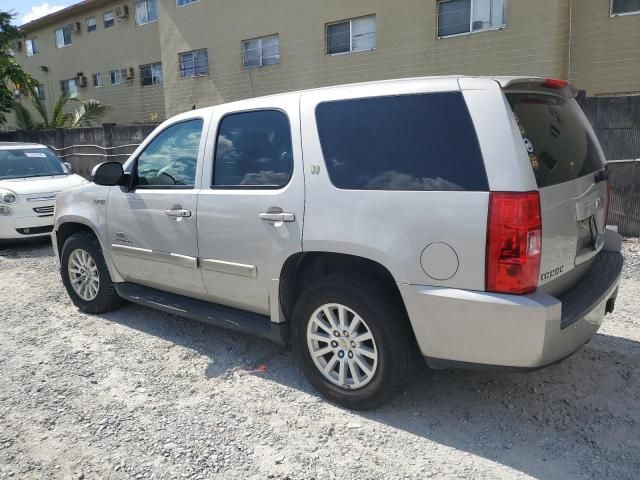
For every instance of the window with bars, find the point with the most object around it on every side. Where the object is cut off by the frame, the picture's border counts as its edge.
(457, 17)
(194, 64)
(354, 35)
(40, 91)
(151, 74)
(69, 87)
(97, 80)
(31, 46)
(146, 12)
(63, 37)
(115, 76)
(262, 51)
(625, 7)
(108, 19)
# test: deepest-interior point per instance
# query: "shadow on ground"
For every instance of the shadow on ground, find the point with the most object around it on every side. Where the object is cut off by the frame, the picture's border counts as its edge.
(581, 414)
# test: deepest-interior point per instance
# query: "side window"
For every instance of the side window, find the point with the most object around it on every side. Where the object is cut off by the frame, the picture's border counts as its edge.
(170, 159)
(253, 149)
(406, 142)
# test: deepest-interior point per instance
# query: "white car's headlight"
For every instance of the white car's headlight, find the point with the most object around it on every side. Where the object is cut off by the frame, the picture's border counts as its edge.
(7, 196)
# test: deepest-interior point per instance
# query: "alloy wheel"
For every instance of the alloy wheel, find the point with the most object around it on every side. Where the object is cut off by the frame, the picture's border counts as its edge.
(342, 346)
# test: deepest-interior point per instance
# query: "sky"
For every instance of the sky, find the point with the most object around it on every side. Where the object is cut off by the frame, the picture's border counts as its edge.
(28, 10)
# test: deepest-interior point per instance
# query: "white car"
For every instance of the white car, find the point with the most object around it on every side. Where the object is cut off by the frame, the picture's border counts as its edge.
(31, 176)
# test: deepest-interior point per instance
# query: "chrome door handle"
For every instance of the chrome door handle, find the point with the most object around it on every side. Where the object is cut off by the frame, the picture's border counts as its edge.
(278, 217)
(178, 212)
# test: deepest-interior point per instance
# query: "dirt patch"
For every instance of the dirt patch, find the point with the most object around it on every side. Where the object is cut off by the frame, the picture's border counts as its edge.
(141, 394)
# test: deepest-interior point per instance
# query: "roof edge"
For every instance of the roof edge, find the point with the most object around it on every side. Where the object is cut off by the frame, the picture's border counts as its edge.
(61, 14)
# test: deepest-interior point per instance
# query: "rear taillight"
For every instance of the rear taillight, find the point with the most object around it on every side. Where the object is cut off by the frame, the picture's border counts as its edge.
(554, 83)
(514, 242)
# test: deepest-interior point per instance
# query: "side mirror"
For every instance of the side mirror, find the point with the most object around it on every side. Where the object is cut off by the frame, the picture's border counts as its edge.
(107, 174)
(69, 166)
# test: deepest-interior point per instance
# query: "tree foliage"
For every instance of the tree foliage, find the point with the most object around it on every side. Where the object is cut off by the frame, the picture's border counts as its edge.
(88, 112)
(11, 73)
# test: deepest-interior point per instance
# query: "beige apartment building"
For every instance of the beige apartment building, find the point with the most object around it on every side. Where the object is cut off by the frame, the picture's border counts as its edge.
(150, 59)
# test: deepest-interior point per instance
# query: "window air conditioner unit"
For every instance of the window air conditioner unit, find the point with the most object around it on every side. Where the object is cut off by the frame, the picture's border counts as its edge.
(74, 27)
(121, 11)
(127, 73)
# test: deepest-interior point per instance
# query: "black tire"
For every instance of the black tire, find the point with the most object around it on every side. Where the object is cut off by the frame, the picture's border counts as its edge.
(384, 315)
(106, 299)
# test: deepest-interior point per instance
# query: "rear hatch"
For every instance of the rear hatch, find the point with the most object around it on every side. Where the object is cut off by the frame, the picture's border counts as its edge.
(570, 172)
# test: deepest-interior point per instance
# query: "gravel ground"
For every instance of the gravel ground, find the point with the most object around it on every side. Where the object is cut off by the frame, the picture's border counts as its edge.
(141, 394)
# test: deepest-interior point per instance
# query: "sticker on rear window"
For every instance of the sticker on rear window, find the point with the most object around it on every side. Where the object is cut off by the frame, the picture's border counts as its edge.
(535, 163)
(35, 154)
(528, 145)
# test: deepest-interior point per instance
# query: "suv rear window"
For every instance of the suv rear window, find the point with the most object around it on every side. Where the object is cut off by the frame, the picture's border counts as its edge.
(407, 142)
(559, 146)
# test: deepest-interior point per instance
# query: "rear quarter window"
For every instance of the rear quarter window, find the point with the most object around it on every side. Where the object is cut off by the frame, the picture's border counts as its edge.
(410, 142)
(559, 146)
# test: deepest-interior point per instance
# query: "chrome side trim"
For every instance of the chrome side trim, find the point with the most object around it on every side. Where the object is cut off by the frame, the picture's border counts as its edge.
(164, 257)
(229, 267)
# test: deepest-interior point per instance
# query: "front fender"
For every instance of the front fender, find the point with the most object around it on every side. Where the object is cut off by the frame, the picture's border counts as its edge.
(86, 206)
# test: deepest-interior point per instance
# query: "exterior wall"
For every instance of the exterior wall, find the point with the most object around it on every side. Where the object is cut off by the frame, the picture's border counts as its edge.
(407, 45)
(606, 50)
(536, 41)
(122, 45)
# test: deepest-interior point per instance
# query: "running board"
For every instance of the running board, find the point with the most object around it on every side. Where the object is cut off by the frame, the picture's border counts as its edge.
(207, 312)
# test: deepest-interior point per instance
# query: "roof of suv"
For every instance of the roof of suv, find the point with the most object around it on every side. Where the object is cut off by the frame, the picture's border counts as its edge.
(504, 82)
(18, 145)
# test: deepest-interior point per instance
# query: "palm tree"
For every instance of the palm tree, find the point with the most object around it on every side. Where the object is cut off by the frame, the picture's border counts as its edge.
(88, 112)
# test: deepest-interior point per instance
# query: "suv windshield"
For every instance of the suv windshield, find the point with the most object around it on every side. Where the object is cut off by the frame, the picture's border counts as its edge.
(32, 162)
(559, 146)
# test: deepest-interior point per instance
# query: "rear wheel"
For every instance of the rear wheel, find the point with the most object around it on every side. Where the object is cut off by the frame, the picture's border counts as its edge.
(353, 341)
(85, 274)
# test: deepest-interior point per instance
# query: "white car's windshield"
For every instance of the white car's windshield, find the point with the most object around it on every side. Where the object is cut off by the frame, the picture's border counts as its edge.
(32, 162)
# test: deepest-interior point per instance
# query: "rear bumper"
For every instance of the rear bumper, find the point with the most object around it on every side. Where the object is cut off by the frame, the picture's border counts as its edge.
(461, 328)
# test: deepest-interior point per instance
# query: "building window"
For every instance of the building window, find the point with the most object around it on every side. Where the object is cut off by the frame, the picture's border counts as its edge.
(457, 17)
(91, 24)
(151, 74)
(63, 37)
(194, 64)
(625, 7)
(97, 80)
(355, 35)
(31, 45)
(146, 12)
(116, 77)
(69, 87)
(262, 51)
(182, 3)
(40, 91)
(109, 20)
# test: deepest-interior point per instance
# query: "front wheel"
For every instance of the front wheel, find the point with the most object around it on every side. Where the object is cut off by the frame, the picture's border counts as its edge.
(354, 342)
(85, 274)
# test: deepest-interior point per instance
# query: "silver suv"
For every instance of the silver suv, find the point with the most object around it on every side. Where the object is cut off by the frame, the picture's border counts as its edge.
(458, 219)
